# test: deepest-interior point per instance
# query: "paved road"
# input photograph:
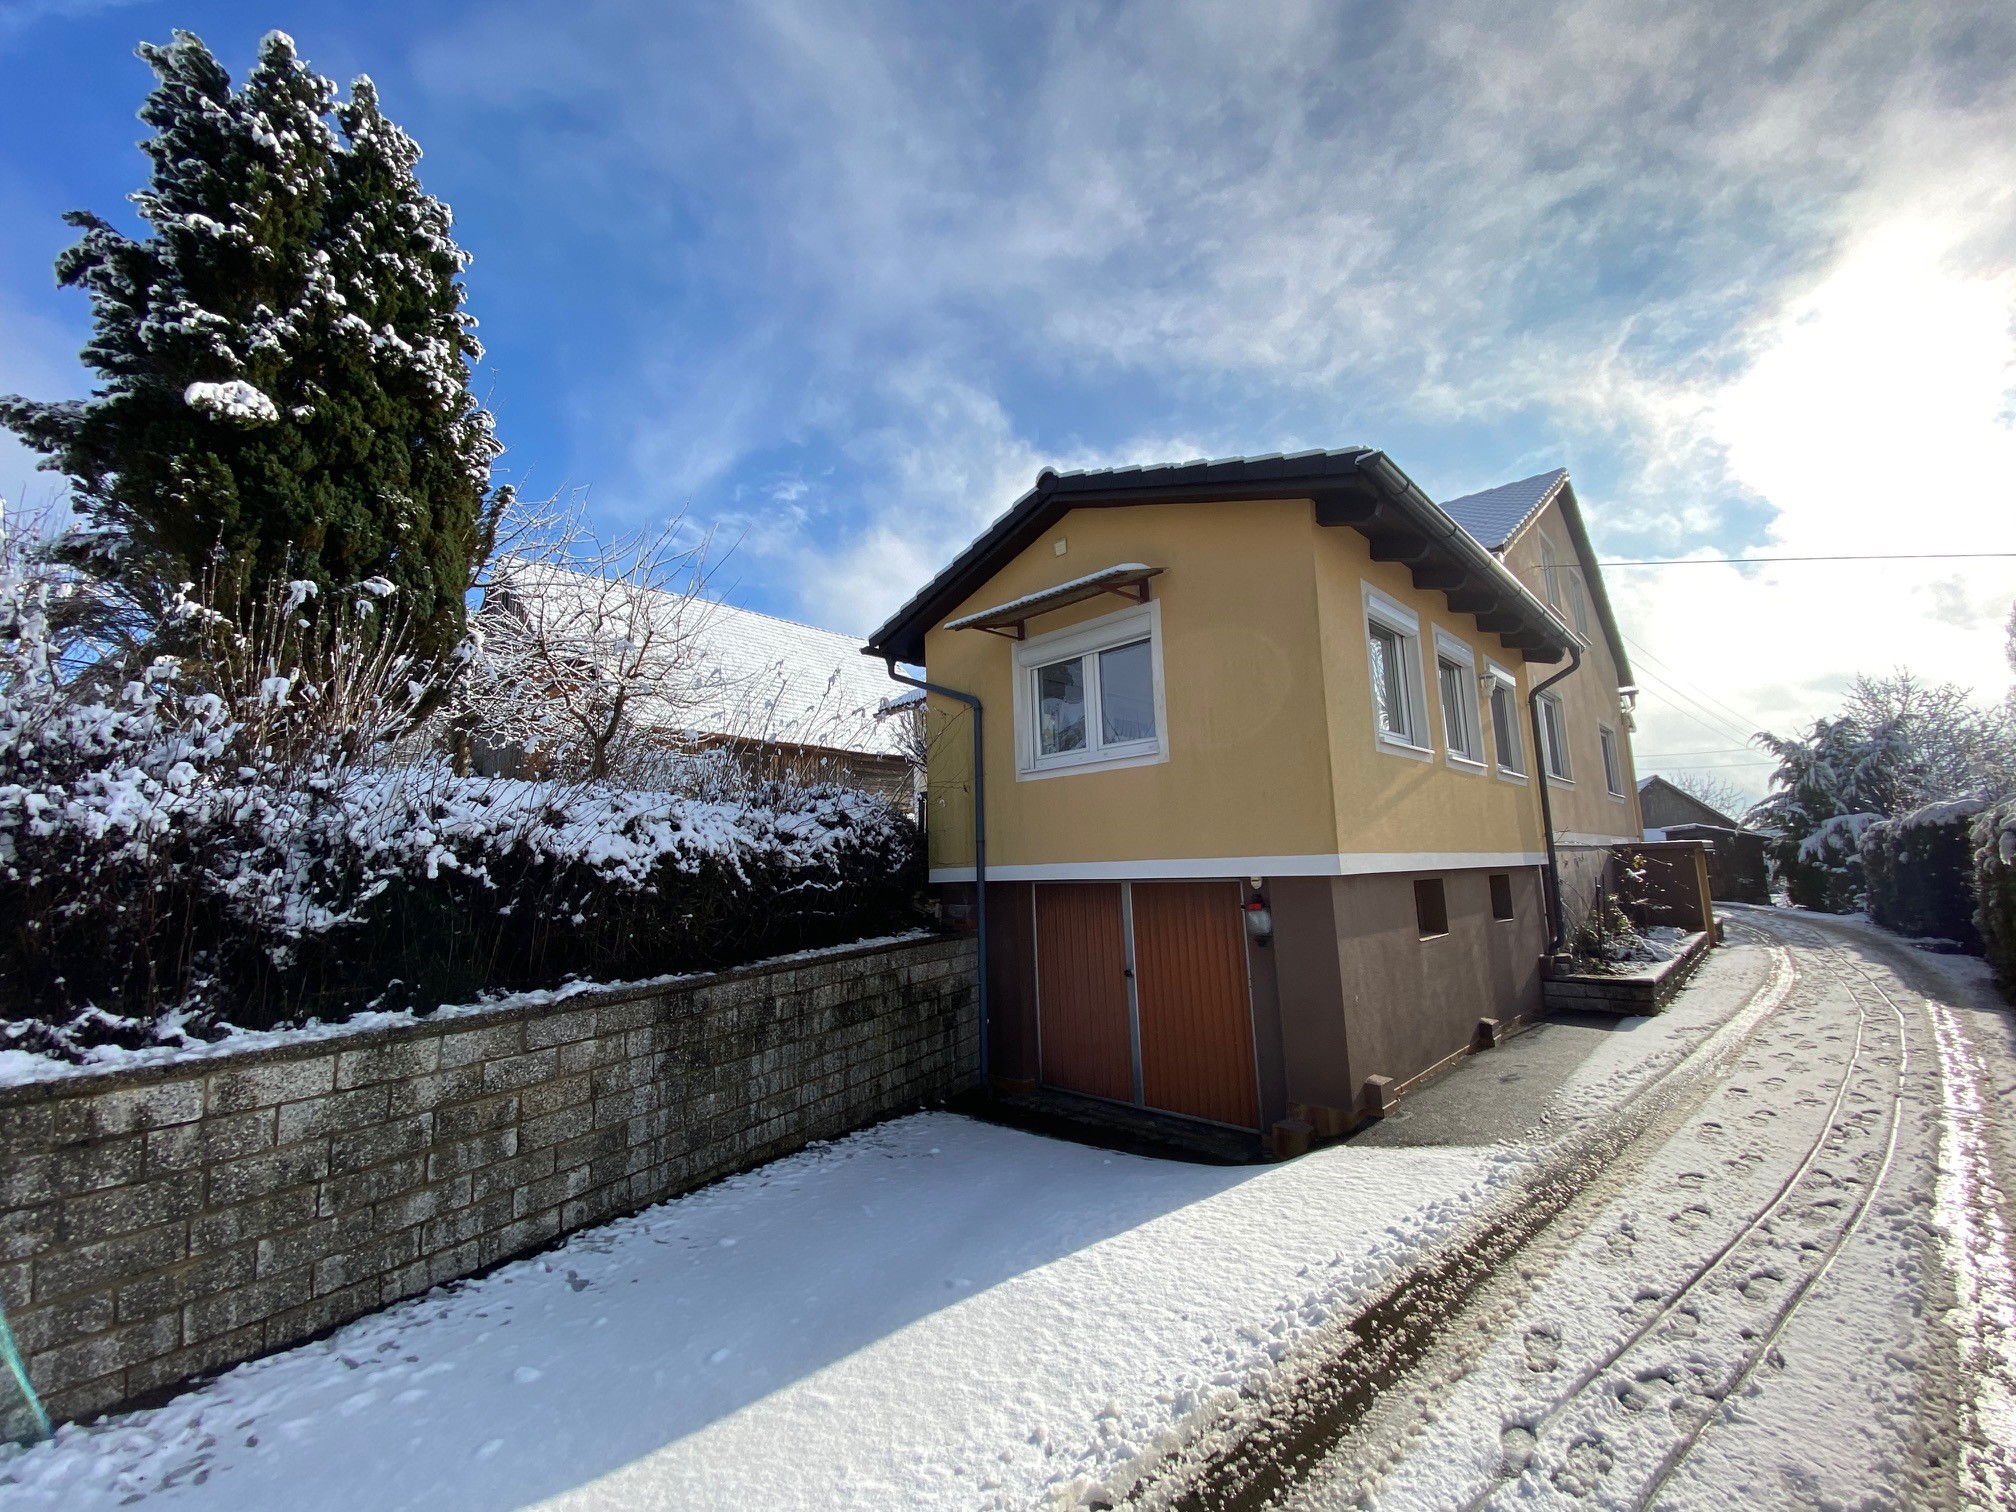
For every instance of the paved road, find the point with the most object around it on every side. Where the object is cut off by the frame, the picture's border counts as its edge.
(1783, 1281)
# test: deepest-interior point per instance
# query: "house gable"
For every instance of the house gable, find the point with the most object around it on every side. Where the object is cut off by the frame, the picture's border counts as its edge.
(1503, 516)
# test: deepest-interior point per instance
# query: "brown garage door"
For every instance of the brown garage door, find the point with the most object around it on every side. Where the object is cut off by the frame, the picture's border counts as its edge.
(1081, 989)
(1190, 983)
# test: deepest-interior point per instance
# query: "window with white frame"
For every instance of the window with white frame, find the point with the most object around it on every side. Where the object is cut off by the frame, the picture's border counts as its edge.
(1456, 679)
(1564, 587)
(1554, 736)
(1091, 696)
(1393, 651)
(1505, 728)
(1613, 761)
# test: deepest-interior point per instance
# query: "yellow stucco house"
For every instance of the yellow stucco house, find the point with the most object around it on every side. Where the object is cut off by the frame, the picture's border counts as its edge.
(1278, 756)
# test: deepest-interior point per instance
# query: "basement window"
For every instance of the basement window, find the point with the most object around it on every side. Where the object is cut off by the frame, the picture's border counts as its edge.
(1431, 907)
(1501, 895)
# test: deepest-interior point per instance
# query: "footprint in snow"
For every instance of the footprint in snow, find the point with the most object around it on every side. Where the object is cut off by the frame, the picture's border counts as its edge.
(718, 1356)
(525, 1375)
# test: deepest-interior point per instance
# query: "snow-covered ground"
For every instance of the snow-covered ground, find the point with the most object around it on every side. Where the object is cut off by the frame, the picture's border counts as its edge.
(933, 1313)
(1757, 1306)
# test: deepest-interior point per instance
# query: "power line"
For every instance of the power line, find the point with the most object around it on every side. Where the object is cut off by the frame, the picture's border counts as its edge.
(1727, 766)
(1712, 751)
(1745, 726)
(1903, 556)
(1692, 708)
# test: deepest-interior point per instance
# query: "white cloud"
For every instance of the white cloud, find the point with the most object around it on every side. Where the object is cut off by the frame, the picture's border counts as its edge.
(1874, 419)
(954, 464)
(1748, 263)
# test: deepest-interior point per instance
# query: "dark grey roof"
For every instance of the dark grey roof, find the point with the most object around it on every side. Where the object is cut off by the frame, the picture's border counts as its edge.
(1357, 486)
(1496, 514)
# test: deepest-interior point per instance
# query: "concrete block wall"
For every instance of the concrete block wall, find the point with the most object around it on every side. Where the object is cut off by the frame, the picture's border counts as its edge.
(161, 1222)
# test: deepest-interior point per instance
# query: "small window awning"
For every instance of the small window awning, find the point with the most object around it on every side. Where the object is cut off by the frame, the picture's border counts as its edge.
(1129, 580)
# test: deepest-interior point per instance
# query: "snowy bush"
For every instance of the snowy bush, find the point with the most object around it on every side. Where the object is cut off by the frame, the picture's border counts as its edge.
(1823, 870)
(1994, 839)
(228, 841)
(1918, 871)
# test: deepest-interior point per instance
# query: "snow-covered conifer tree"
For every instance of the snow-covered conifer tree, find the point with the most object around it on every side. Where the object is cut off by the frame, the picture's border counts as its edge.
(282, 361)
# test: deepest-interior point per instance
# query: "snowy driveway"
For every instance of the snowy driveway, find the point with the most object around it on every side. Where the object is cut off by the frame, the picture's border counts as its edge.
(1795, 1290)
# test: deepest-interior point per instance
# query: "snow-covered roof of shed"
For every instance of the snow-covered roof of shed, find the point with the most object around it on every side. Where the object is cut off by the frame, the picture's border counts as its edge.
(1494, 516)
(755, 676)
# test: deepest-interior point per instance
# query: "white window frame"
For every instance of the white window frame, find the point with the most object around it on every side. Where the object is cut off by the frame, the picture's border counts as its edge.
(1463, 657)
(1561, 580)
(1515, 770)
(1121, 628)
(1550, 573)
(1578, 601)
(1613, 761)
(1405, 626)
(1551, 747)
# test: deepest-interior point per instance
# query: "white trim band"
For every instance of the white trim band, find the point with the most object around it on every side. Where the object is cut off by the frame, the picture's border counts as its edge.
(1370, 863)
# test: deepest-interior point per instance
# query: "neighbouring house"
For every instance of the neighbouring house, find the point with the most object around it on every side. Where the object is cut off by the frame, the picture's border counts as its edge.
(1271, 750)
(785, 698)
(1739, 869)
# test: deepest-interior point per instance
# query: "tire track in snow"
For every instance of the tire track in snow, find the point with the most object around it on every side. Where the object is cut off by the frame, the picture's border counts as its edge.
(1587, 1413)
(1282, 1434)
(1978, 1252)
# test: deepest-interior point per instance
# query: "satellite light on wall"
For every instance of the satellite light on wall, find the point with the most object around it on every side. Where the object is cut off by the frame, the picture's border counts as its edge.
(1259, 920)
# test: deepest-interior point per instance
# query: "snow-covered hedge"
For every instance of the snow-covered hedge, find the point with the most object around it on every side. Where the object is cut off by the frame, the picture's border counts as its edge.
(1994, 838)
(1918, 871)
(173, 857)
(1823, 870)
(156, 904)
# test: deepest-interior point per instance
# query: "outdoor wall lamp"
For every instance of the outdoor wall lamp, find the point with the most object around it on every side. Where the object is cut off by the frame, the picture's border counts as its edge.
(1259, 920)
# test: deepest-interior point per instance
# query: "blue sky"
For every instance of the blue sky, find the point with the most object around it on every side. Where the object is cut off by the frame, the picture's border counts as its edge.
(839, 277)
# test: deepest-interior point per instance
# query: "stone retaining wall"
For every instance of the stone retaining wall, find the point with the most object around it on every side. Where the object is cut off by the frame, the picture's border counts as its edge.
(160, 1222)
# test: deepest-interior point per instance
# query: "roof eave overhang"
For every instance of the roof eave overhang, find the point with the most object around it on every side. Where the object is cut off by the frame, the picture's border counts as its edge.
(1362, 490)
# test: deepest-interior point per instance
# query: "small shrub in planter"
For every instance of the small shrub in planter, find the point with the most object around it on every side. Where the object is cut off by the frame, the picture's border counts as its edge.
(1918, 871)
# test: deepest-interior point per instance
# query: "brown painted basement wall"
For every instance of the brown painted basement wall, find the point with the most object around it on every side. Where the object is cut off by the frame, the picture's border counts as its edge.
(162, 1222)
(1362, 994)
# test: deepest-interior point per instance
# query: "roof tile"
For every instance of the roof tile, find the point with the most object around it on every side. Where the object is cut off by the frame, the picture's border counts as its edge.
(1495, 515)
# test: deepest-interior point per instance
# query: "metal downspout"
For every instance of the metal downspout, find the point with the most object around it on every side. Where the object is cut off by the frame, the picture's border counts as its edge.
(979, 847)
(1555, 922)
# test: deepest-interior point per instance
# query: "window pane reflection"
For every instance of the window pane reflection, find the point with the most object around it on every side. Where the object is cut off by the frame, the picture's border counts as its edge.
(1060, 696)
(1126, 694)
